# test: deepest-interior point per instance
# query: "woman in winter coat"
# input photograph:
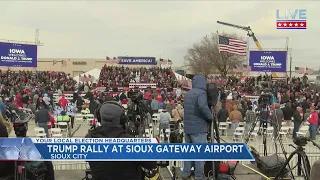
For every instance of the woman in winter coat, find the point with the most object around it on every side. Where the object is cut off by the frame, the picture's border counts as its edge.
(177, 113)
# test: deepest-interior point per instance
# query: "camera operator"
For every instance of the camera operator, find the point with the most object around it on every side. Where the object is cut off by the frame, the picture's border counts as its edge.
(113, 120)
(197, 116)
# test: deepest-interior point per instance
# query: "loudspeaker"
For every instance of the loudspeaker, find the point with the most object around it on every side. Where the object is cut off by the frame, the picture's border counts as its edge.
(115, 89)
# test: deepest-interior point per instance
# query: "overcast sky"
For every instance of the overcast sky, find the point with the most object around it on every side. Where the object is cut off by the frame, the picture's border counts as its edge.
(83, 29)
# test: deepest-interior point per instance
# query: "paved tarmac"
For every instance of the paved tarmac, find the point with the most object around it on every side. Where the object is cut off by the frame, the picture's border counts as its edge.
(76, 170)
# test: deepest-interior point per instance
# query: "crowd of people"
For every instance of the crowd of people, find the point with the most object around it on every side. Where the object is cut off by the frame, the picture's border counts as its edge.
(300, 106)
(120, 76)
(34, 90)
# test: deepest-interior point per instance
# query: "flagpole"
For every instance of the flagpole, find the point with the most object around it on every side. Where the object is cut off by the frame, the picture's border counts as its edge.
(218, 40)
(248, 50)
(305, 70)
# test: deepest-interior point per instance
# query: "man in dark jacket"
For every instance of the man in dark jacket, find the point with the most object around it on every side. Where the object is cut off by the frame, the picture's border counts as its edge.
(42, 117)
(223, 114)
(197, 116)
(287, 113)
(112, 128)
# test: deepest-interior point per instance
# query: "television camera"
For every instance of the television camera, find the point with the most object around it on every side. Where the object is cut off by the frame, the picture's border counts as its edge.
(139, 114)
(265, 99)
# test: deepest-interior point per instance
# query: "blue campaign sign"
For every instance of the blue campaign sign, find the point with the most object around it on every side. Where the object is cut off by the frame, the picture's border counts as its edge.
(18, 55)
(137, 60)
(268, 61)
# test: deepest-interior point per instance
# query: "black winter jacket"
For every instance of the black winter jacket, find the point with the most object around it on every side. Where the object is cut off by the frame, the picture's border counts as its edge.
(116, 170)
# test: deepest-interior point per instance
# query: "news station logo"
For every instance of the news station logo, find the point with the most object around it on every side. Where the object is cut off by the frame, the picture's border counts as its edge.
(292, 19)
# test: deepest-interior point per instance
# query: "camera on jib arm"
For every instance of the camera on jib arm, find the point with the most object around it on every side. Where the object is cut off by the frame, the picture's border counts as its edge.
(139, 114)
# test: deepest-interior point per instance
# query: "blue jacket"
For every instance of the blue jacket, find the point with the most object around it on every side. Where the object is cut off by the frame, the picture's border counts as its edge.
(197, 114)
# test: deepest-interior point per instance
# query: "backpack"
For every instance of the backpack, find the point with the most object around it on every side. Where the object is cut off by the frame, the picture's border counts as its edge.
(36, 170)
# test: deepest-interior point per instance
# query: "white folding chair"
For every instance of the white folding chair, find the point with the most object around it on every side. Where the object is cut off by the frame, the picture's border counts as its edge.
(78, 119)
(40, 132)
(155, 118)
(168, 133)
(242, 124)
(254, 135)
(238, 134)
(64, 128)
(269, 132)
(303, 131)
(56, 132)
(223, 127)
(229, 123)
(89, 118)
(283, 133)
(147, 133)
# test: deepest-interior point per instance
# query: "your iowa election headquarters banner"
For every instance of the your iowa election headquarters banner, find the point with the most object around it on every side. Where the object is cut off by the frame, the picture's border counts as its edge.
(18, 55)
(115, 149)
(268, 61)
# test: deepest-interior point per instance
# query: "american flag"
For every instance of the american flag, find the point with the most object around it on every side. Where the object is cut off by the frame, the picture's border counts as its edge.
(116, 60)
(64, 63)
(109, 60)
(233, 46)
(303, 70)
(163, 61)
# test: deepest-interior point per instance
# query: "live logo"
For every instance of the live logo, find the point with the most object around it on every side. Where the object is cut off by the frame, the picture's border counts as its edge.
(291, 19)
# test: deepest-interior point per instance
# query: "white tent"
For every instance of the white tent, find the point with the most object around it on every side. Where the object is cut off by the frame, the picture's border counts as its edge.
(94, 72)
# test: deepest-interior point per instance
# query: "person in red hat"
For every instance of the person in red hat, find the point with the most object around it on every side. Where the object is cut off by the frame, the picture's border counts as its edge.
(313, 123)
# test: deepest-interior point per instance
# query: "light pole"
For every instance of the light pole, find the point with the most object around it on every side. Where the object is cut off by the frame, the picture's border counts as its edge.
(290, 65)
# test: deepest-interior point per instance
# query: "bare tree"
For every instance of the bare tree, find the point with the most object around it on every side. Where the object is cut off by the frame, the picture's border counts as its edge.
(204, 57)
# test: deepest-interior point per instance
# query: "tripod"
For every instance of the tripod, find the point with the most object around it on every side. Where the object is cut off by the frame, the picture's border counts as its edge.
(264, 124)
(304, 167)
